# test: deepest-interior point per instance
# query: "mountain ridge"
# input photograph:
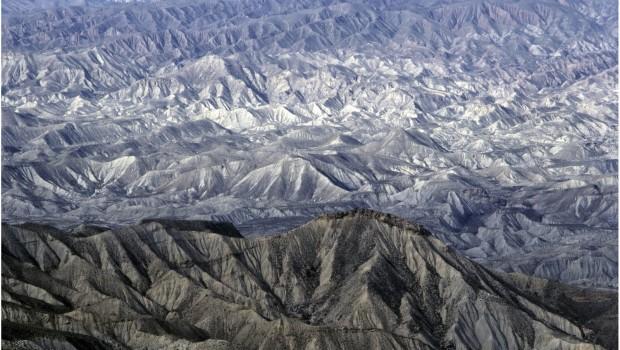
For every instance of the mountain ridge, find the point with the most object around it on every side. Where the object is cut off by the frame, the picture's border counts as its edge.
(357, 277)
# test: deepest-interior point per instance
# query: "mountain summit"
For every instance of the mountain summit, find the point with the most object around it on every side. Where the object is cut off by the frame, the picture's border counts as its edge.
(352, 280)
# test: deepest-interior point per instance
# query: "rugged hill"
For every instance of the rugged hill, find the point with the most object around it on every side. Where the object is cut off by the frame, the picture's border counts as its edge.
(359, 279)
(499, 117)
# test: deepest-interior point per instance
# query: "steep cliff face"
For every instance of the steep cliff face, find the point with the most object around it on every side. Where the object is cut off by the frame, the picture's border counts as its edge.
(359, 279)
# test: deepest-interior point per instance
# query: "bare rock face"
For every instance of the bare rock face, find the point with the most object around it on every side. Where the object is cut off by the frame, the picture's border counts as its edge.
(354, 280)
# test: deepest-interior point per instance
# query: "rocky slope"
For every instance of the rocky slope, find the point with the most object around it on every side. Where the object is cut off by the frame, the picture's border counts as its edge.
(498, 117)
(357, 279)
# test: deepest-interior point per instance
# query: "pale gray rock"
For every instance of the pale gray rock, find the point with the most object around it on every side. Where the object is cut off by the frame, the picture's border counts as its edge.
(494, 123)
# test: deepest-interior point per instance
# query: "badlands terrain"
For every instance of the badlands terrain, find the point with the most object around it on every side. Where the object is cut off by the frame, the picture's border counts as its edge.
(352, 280)
(492, 123)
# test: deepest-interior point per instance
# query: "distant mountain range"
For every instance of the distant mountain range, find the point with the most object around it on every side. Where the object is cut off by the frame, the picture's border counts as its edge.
(493, 123)
(352, 280)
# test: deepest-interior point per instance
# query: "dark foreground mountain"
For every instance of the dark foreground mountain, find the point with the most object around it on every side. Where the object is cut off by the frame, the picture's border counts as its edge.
(356, 280)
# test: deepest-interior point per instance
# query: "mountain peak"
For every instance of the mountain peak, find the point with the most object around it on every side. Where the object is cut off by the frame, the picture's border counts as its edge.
(370, 214)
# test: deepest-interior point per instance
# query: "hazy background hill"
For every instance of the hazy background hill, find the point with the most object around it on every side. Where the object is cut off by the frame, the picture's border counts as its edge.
(493, 123)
